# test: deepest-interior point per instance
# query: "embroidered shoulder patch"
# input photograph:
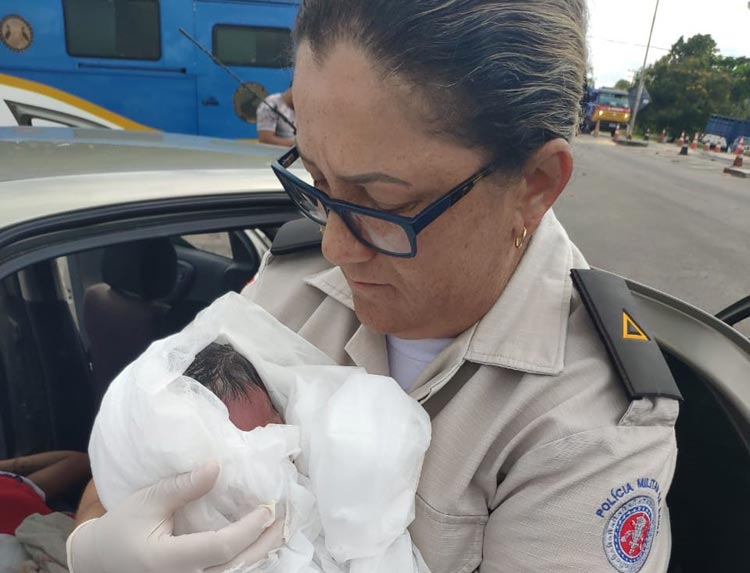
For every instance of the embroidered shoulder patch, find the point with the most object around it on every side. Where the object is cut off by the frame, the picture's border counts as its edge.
(629, 533)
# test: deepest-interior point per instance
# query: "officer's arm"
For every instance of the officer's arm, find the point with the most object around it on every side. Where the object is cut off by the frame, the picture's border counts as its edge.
(592, 501)
(595, 500)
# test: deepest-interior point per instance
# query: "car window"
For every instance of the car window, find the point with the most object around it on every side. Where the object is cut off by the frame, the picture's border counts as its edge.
(214, 243)
(76, 301)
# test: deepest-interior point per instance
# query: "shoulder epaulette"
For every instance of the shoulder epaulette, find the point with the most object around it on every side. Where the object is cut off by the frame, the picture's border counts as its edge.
(622, 327)
(295, 236)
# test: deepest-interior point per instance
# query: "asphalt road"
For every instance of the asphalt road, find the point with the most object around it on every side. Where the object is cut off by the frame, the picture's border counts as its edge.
(675, 223)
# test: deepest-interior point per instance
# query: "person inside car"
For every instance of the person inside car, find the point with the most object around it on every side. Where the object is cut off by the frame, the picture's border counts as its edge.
(27, 483)
(437, 135)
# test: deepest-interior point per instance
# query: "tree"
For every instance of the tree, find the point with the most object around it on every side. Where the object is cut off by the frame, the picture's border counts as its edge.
(622, 85)
(693, 81)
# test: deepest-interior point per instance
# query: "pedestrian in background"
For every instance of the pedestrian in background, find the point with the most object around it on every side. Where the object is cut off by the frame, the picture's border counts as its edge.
(276, 119)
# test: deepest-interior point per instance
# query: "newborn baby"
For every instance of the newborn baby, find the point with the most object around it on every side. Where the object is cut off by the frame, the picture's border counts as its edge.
(236, 382)
(339, 450)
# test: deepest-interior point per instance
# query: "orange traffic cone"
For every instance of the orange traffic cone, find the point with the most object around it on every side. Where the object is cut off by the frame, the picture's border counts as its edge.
(663, 136)
(737, 161)
(681, 140)
(616, 134)
(717, 147)
(707, 145)
(694, 143)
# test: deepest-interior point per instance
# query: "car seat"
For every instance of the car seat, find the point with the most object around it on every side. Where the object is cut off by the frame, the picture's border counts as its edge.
(125, 313)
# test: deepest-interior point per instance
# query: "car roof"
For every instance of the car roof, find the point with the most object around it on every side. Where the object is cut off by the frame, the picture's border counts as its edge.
(47, 171)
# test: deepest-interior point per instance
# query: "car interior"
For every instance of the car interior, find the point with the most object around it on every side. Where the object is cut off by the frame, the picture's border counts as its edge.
(69, 324)
(150, 289)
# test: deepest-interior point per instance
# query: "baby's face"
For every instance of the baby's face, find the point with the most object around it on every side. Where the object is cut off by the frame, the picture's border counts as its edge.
(252, 410)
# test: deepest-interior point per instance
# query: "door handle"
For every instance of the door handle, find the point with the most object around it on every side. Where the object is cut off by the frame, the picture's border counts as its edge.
(210, 101)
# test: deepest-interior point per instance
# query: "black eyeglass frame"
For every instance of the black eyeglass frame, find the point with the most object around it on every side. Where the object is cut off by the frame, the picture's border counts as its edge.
(411, 226)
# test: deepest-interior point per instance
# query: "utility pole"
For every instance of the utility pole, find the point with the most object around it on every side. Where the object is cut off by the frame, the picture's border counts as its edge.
(639, 93)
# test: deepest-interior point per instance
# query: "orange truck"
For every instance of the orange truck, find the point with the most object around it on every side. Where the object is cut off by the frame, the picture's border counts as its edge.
(608, 106)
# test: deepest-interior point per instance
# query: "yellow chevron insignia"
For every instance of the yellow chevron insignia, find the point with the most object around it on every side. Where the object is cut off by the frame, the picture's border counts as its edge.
(631, 330)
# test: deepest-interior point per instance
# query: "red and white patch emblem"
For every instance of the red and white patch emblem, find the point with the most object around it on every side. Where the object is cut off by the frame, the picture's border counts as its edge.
(633, 534)
(629, 534)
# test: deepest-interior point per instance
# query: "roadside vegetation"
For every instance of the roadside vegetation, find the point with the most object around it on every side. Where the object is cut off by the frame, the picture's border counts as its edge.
(691, 82)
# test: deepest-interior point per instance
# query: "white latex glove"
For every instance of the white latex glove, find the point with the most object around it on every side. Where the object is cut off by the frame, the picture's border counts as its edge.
(137, 535)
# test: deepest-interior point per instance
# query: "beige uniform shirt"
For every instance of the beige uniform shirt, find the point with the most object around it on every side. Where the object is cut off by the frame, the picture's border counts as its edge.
(539, 462)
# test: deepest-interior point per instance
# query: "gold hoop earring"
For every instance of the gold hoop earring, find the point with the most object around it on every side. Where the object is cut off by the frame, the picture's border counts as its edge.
(322, 230)
(522, 239)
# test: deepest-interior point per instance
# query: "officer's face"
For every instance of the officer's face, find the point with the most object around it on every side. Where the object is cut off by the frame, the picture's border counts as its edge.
(365, 140)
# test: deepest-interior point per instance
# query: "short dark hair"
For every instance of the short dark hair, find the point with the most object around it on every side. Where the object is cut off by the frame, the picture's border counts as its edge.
(505, 76)
(224, 371)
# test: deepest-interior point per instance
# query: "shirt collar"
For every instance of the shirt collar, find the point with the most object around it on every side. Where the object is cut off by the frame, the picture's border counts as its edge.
(366, 348)
(526, 329)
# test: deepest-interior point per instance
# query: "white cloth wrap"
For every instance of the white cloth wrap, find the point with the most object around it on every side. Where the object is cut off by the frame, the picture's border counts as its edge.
(359, 438)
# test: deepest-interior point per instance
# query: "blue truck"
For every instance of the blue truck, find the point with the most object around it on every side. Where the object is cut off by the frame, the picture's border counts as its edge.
(730, 128)
(124, 64)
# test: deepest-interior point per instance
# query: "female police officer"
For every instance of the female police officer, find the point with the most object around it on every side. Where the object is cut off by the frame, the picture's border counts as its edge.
(436, 133)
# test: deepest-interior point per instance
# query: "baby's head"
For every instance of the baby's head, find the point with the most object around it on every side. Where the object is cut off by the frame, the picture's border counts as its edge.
(232, 377)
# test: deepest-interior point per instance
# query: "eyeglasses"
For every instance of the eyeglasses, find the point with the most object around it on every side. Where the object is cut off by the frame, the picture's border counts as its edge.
(387, 233)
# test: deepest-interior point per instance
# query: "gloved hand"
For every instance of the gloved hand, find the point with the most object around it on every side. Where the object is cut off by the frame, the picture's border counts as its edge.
(136, 536)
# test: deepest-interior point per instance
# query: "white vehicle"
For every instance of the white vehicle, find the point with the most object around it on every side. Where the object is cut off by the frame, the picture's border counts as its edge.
(714, 140)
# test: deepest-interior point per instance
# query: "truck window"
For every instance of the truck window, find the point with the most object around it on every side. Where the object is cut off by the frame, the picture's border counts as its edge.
(127, 29)
(252, 46)
(614, 100)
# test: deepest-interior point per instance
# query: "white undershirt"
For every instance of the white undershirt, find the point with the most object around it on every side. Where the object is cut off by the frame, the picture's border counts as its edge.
(408, 358)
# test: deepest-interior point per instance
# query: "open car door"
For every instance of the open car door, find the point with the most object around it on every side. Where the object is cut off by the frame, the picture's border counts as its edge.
(709, 500)
(736, 313)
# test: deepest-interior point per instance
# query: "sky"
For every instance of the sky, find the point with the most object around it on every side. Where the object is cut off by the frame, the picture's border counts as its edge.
(618, 31)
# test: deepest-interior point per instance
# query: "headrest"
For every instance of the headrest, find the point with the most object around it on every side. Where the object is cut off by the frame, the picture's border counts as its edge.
(145, 269)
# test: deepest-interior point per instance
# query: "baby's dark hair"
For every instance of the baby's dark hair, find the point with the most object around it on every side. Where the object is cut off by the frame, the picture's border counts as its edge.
(224, 371)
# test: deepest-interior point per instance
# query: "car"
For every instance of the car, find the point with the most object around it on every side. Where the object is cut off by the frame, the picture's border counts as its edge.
(83, 212)
(743, 140)
(713, 140)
